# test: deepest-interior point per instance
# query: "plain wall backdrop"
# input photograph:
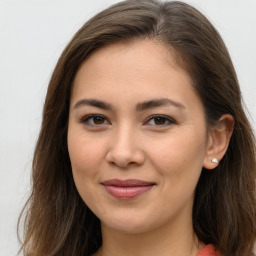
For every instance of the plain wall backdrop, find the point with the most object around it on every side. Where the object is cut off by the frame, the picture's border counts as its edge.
(33, 34)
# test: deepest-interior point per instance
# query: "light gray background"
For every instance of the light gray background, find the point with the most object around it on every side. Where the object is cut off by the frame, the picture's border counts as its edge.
(33, 34)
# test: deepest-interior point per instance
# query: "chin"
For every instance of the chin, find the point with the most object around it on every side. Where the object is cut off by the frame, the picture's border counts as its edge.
(129, 223)
(131, 228)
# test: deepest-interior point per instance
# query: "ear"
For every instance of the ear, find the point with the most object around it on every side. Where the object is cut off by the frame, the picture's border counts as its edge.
(218, 141)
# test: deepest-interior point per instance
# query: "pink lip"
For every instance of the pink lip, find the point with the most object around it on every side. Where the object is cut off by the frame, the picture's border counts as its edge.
(127, 189)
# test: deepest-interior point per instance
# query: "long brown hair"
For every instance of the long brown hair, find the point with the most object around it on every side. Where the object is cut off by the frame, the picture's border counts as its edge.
(58, 222)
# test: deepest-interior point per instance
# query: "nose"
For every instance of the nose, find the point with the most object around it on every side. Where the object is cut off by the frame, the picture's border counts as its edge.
(125, 149)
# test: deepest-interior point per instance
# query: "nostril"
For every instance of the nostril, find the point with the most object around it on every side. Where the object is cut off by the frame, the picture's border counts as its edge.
(123, 165)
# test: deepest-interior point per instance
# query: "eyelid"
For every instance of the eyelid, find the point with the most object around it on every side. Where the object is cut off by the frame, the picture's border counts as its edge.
(85, 119)
(168, 118)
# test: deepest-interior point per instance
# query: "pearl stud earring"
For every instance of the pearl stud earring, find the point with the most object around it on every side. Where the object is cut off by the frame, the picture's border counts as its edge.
(215, 160)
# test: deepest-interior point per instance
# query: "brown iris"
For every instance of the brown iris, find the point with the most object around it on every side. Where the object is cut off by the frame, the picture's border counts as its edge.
(159, 120)
(98, 120)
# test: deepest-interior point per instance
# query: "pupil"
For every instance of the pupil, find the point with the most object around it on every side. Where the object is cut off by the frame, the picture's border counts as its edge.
(98, 120)
(159, 120)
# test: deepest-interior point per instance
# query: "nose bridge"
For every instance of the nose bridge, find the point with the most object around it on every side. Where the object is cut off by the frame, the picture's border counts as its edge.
(124, 146)
(124, 136)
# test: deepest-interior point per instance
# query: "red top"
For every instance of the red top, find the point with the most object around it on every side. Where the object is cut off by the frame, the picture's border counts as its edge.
(209, 250)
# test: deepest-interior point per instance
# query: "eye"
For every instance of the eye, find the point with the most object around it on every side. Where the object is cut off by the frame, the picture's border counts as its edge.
(94, 120)
(160, 120)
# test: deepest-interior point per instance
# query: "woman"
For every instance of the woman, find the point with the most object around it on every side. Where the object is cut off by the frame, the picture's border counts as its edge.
(144, 147)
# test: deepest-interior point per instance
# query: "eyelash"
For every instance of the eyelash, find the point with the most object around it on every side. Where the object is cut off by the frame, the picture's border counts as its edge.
(164, 117)
(85, 120)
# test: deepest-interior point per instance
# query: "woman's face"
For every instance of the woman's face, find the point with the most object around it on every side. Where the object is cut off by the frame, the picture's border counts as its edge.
(137, 137)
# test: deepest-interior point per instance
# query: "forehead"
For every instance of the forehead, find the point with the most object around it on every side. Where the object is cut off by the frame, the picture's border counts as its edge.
(143, 69)
(135, 49)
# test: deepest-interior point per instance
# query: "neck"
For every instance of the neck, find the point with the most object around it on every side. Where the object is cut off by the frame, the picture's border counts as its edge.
(173, 239)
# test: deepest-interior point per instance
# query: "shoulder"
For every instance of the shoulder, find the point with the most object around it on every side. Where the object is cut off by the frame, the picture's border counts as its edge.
(209, 250)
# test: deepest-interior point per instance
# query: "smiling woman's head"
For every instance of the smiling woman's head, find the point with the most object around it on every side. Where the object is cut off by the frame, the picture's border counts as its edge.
(163, 69)
(138, 122)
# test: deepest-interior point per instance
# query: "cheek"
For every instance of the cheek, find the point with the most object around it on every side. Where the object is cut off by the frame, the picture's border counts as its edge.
(85, 155)
(180, 156)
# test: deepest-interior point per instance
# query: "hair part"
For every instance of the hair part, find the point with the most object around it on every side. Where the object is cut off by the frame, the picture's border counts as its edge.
(57, 220)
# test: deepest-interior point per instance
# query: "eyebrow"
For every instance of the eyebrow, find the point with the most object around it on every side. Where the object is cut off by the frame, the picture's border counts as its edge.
(139, 107)
(158, 103)
(94, 103)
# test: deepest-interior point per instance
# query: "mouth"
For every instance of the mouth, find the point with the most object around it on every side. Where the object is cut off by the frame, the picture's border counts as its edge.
(127, 189)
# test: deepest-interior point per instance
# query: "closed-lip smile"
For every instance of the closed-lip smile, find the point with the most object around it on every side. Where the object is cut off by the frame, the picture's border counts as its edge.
(127, 189)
